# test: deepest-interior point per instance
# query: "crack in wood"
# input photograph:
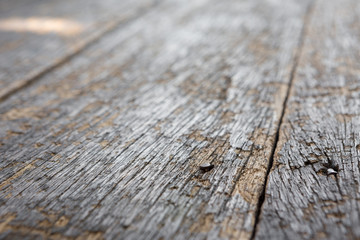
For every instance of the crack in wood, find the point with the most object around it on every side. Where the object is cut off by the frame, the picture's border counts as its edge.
(304, 33)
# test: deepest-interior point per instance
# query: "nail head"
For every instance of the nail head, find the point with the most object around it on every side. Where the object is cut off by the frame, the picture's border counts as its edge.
(206, 167)
(331, 171)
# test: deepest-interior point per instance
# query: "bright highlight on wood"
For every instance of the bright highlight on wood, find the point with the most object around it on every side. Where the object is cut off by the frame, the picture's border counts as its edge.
(64, 27)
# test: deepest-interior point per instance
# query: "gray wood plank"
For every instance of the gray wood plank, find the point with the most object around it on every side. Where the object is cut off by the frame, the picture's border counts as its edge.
(320, 135)
(109, 144)
(37, 35)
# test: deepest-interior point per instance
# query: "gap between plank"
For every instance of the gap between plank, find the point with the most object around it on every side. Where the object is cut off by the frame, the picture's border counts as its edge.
(82, 46)
(303, 34)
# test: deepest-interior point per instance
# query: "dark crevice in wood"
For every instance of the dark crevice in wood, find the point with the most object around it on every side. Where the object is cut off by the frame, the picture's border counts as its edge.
(224, 89)
(277, 134)
(83, 46)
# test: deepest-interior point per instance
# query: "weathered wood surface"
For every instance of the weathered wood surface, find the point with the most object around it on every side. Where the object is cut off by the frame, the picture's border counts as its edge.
(320, 131)
(37, 35)
(108, 145)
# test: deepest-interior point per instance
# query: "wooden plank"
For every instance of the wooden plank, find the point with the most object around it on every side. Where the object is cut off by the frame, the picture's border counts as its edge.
(320, 135)
(36, 36)
(109, 144)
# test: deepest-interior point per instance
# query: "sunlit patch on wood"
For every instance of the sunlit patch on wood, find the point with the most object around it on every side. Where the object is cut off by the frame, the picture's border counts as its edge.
(61, 26)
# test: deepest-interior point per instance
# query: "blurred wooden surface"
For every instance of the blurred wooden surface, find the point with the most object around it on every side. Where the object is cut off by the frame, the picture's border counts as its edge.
(108, 108)
(38, 35)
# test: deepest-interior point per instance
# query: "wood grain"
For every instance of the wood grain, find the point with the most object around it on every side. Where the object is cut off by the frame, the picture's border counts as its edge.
(320, 135)
(37, 36)
(109, 144)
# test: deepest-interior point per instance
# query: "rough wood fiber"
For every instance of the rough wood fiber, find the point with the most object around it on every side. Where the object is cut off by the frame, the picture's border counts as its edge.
(108, 145)
(320, 132)
(38, 35)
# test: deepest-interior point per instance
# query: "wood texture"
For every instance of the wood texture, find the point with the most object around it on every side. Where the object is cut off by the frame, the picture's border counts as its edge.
(37, 35)
(320, 132)
(108, 145)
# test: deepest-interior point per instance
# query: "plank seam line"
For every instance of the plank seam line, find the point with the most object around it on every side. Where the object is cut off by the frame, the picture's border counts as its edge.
(297, 56)
(82, 46)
